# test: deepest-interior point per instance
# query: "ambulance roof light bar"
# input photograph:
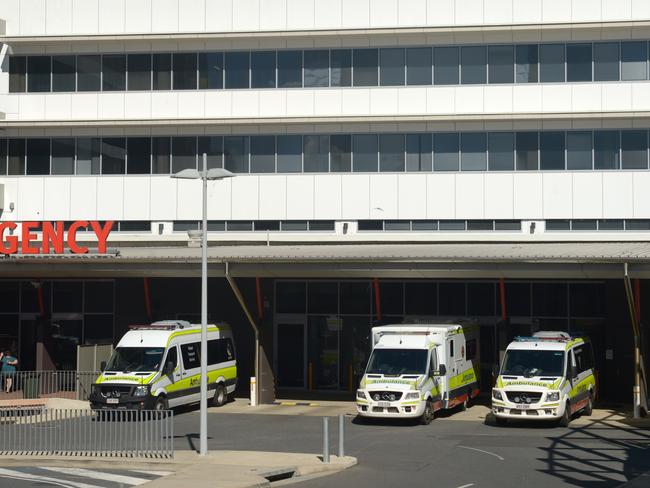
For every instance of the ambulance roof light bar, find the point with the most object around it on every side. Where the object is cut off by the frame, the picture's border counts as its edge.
(162, 325)
(545, 336)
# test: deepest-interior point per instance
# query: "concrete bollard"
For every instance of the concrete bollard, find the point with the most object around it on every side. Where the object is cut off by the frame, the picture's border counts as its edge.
(326, 440)
(253, 391)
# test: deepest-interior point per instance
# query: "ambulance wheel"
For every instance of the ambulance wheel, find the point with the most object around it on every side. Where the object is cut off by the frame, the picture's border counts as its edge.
(220, 396)
(566, 417)
(428, 414)
(468, 402)
(589, 409)
(160, 404)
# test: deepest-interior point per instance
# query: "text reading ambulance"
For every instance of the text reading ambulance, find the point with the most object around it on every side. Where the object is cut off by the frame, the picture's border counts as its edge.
(415, 370)
(547, 376)
(158, 366)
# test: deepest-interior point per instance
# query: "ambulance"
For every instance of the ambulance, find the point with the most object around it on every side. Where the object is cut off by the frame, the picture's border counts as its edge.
(549, 376)
(415, 370)
(158, 366)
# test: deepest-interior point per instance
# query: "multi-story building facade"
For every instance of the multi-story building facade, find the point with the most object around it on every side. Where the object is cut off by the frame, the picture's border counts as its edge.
(393, 159)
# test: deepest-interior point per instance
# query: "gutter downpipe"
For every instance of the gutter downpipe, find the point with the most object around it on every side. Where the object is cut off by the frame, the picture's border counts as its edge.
(242, 303)
(639, 403)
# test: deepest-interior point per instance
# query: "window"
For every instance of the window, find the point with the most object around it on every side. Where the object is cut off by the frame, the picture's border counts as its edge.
(113, 155)
(3, 156)
(365, 67)
(89, 68)
(445, 152)
(341, 67)
(235, 153)
(583, 224)
(289, 69)
(63, 73)
(418, 152)
(316, 149)
(420, 298)
(237, 64)
(322, 297)
(418, 66)
(606, 61)
(210, 71)
(212, 146)
(365, 153)
(139, 68)
(526, 154)
(606, 149)
(162, 71)
(471, 349)
(161, 155)
(391, 152)
(578, 150)
(340, 153)
(172, 358)
(445, 65)
(183, 153)
(263, 69)
(634, 56)
(473, 65)
(526, 67)
(473, 147)
(451, 298)
(220, 351)
(139, 155)
(262, 154)
(634, 146)
(451, 348)
(558, 225)
(63, 156)
(114, 72)
(480, 225)
(501, 64)
(391, 67)
(551, 59)
(17, 72)
(578, 57)
(290, 154)
(317, 63)
(191, 354)
(611, 224)
(88, 158)
(501, 147)
(38, 73)
(38, 156)
(294, 225)
(184, 69)
(551, 150)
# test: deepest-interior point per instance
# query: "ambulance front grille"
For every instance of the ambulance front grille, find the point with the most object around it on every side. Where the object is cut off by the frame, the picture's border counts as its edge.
(526, 397)
(385, 396)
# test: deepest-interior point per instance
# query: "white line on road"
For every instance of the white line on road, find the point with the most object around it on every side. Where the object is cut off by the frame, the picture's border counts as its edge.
(56, 483)
(98, 475)
(466, 486)
(481, 450)
(33, 477)
(153, 473)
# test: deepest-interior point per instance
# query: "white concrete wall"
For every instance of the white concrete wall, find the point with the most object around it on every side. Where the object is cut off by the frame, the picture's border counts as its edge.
(548, 195)
(564, 98)
(66, 17)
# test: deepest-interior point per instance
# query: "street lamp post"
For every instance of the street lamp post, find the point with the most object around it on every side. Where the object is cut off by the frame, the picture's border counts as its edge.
(204, 175)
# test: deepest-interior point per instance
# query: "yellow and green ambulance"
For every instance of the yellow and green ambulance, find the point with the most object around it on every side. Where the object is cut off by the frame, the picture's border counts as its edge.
(158, 366)
(417, 369)
(549, 376)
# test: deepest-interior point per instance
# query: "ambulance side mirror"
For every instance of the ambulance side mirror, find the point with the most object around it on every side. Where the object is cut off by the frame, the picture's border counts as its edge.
(102, 366)
(442, 370)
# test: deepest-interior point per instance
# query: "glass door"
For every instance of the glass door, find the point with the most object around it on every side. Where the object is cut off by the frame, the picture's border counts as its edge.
(291, 352)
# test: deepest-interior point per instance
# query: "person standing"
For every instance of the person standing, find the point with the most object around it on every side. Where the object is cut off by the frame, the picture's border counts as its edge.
(9, 364)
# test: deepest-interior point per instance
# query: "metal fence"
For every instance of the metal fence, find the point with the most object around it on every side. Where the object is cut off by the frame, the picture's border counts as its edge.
(72, 432)
(74, 385)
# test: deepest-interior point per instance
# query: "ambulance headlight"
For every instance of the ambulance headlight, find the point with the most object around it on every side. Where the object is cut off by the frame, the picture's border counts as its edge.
(553, 396)
(412, 395)
(141, 390)
(496, 394)
(361, 395)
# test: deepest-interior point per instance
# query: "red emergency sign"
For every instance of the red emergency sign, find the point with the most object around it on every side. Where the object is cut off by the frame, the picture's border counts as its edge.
(54, 237)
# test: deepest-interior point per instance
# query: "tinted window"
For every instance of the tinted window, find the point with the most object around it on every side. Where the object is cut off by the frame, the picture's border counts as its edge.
(578, 150)
(290, 154)
(606, 149)
(212, 146)
(139, 155)
(161, 152)
(237, 64)
(365, 152)
(88, 151)
(606, 61)
(17, 71)
(391, 67)
(578, 57)
(634, 148)
(501, 64)
(183, 153)
(418, 66)
(391, 152)
(451, 299)
(473, 147)
(445, 152)
(526, 151)
(220, 351)
(38, 156)
(63, 73)
(235, 152)
(418, 152)
(289, 69)
(365, 67)
(89, 69)
(191, 354)
(38, 74)
(114, 72)
(634, 56)
(113, 155)
(262, 154)
(3, 157)
(184, 71)
(445, 70)
(340, 153)
(210, 71)
(139, 67)
(172, 358)
(526, 69)
(551, 150)
(63, 156)
(263, 69)
(473, 65)
(162, 71)
(317, 71)
(420, 298)
(341, 67)
(316, 150)
(551, 58)
(501, 147)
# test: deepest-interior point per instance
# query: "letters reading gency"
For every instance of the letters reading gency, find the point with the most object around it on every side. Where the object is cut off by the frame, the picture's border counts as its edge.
(53, 238)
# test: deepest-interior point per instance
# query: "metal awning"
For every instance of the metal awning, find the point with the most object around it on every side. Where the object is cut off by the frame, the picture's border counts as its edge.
(436, 260)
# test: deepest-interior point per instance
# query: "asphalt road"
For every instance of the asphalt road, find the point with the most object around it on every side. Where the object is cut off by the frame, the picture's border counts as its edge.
(447, 453)
(44, 477)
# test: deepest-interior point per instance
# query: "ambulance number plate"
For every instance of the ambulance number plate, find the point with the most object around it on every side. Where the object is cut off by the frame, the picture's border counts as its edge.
(522, 407)
(112, 401)
(383, 404)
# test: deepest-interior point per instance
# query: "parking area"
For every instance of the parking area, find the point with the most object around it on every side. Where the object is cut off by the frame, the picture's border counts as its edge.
(459, 449)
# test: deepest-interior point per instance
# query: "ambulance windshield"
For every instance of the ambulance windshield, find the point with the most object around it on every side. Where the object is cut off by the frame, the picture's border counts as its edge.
(129, 359)
(395, 362)
(529, 363)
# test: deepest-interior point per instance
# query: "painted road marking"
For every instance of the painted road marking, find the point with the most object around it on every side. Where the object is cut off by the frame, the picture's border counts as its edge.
(466, 486)
(481, 450)
(8, 473)
(98, 475)
(152, 473)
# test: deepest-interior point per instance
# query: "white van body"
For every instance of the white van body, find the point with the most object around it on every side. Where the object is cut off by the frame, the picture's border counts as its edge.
(158, 366)
(417, 369)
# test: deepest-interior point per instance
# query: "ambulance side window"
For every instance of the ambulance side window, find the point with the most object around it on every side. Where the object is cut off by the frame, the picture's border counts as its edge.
(190, 354)
(451, 348)
(172, 357)
(433, 366)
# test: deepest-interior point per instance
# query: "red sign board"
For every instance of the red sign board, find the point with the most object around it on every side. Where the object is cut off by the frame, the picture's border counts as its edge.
(54, 237)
